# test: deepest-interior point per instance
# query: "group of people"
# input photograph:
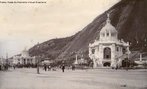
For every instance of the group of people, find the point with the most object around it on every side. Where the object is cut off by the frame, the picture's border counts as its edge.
(63, 67)
(47, 67)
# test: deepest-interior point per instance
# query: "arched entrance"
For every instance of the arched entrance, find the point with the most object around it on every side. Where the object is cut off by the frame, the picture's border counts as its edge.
(107, 53)
(107, 64)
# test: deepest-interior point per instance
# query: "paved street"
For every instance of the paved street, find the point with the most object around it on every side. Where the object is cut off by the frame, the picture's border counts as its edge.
(79, 79)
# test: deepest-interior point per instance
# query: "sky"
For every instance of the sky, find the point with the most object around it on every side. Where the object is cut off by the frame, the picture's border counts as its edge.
(22, 25)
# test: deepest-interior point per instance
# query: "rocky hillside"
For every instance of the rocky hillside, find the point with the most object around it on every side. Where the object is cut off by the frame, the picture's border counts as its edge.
(128, 16)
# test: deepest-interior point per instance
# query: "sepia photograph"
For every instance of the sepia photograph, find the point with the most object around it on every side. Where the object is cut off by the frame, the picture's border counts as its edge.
(73, 44)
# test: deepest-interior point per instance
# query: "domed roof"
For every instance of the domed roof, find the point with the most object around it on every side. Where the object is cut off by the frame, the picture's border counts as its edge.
(25, 53)
(108, 27)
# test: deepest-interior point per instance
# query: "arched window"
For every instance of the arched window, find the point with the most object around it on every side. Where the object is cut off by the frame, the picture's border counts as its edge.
(107, 64)
(124, 50)
(107, 53)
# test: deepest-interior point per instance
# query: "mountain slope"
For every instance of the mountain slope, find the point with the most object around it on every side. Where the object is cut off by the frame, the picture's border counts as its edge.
(128, 16)
(50, 49)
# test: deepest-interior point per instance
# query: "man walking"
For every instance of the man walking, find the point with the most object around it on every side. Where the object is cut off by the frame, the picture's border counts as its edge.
(63, 68)
(45, 67)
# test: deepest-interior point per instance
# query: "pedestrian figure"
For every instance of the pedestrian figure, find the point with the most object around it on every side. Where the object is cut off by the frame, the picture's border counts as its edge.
(45, 67)
(5, 67)
(14, 67)
(0, 67)
(73, 67)
(63, 67)
(116, 67)
(49, 67)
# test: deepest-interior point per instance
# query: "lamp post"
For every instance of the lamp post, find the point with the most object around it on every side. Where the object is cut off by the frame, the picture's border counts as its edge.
(127, 61)
(38, 65)
(6, 61)
(38, 61)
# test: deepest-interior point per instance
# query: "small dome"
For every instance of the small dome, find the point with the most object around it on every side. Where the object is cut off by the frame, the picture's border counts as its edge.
(25, 53)
(108, 28)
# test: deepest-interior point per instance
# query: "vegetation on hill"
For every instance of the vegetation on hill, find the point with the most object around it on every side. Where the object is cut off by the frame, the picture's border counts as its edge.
(128, 16)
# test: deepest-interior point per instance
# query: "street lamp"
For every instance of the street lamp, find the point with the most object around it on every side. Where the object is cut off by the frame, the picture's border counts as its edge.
(127, 61)
(38, 61)
(38, 65)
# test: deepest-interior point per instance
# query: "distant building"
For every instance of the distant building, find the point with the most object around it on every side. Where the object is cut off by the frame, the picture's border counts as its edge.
(2, 61)
(107, 50)
(24, 58)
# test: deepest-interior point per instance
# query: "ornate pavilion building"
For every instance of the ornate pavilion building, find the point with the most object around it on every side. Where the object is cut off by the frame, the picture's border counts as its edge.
(24, 58)
(108, 50)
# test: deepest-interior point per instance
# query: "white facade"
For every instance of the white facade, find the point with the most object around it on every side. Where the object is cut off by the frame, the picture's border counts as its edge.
(2, 61)
(107, 50)
(24, 58)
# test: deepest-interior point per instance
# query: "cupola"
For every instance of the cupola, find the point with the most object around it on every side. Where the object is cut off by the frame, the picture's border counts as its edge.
(108, 32)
